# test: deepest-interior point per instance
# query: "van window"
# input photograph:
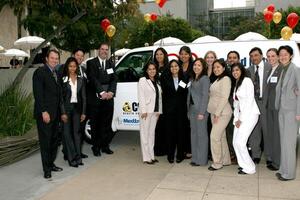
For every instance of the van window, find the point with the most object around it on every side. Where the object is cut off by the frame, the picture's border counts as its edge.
(130, 69)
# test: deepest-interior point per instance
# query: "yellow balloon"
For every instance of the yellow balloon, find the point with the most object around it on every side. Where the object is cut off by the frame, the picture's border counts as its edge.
(147, 17)
(111, 30)
(286, 32)
(277, 17)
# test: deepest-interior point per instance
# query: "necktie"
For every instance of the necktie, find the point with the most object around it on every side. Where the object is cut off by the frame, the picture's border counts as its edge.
(256, 83)
(103, 65)
(54, 75)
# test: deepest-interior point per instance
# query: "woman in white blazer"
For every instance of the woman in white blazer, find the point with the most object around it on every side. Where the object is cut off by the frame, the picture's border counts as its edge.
(287, 101)
(150, 106)
(246, 114)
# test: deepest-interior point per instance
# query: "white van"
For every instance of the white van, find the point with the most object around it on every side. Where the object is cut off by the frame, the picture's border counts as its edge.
(129, 70)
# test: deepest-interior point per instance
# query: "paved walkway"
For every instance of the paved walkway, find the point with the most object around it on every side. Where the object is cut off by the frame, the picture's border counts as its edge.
(124, 176)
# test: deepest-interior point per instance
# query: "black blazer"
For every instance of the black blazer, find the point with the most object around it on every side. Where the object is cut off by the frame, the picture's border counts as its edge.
(271, 87)
(46, 92)
(99, 80)
(174, 101)
(67, 93)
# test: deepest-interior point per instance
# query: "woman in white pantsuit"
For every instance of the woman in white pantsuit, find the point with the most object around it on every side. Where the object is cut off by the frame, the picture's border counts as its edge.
(288, 103)
(150, 106)
(246, 114)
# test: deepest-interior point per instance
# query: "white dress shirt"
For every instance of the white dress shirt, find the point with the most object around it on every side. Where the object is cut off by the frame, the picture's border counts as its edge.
(73, 91)
(261, 77)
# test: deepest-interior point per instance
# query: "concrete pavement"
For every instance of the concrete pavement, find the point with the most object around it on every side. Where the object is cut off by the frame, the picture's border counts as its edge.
(124, 176)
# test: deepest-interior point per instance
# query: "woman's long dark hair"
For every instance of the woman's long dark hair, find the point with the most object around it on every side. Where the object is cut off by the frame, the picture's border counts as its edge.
(168, 71)
(166, 59)
(145, 68)
(66, 66)
(204, 69)
(189, 51)
(223, 63)
(243, 74)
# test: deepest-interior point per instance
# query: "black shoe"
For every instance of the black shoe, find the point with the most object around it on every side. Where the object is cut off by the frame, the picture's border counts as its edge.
(278, 175)
(194, 164)
(107, 151)
(47, 175)
(171, 160)
(149, 162)
(155, 160)
(213, 169)
(241, 172)
(283, 179)
(256, 160)
(96, 152)
(65, 157)
(179, 160)
(272, 168)
(73, 165)
(56, 169)
(269, 162)
(84, 155)
(80, 163)
(240, 169)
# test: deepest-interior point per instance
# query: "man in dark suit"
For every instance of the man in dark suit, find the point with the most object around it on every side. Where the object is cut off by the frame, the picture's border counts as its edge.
(101, 89)
(47, 95)
(259, 73)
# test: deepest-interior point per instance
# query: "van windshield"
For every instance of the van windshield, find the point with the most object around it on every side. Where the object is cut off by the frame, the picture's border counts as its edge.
(130, 69)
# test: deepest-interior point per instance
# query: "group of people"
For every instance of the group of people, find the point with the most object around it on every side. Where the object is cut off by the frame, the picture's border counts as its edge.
(209, 106)
(63, 95)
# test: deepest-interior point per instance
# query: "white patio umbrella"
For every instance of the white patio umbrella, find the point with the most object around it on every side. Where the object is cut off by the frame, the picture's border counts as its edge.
(206, 38)
(250, 36)
(2, 49)
(168, 41)
(121, 52)
(15, 53)
(29, 42)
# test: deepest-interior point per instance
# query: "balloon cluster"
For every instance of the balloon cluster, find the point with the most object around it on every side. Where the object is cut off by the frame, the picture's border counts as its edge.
(160, 3)
(292, 20)
(150, 17)
(108, 28)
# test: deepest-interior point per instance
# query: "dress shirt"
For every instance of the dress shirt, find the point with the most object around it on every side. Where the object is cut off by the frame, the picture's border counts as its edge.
(102, 62)
(175, 79)
(272, 72)
(261, 76)
(73, 91)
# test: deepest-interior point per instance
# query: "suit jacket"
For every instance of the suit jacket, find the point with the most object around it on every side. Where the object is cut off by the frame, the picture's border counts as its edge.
(245, 105)
(219, 92)
(67, 93)
(271, 87)
(46, 92)
(288, 97)
(199, 93)
(174, 101)
(267, 68)
(99, 80)
(147, 95)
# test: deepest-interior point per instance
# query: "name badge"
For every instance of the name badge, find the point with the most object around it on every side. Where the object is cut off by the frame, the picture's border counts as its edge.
(182, 84)
(273, 79)
(189, 84)
(110, 71)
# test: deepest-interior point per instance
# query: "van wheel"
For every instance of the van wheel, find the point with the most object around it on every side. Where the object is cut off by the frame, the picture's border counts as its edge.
(87, 132)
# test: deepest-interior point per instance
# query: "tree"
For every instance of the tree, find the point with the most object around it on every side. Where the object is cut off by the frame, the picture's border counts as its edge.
(165, 26)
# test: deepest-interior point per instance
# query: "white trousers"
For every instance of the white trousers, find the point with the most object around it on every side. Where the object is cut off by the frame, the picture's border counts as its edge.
(240, 138)
(147, 135)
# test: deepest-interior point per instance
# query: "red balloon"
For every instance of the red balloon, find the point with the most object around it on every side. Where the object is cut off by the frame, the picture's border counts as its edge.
(268, 16)
(104, 24)
(271, 8)
(292, 20)
(153, 16)
(162, 3)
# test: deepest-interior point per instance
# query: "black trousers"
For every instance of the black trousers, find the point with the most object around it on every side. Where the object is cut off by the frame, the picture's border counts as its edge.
(72, 136)
(160, 148)
(49, 139)
(175, 136)
(100, 120)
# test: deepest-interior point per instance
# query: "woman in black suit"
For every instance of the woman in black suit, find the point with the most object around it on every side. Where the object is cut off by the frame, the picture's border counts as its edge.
(160, 148)
(174, 109)
(73, 110)
(186, 61)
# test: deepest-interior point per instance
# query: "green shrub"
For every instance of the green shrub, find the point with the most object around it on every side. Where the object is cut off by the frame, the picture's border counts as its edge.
(16, 112)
